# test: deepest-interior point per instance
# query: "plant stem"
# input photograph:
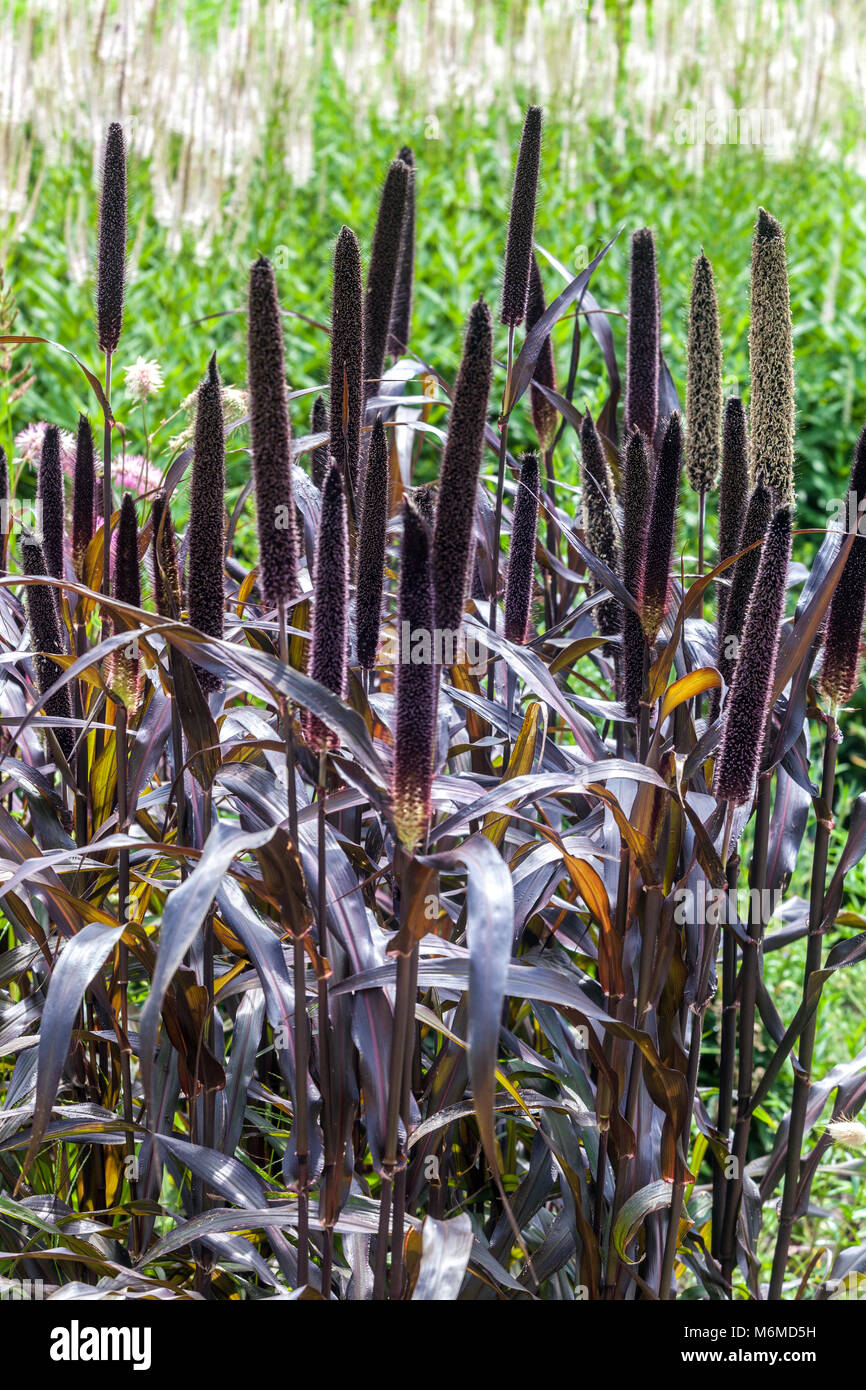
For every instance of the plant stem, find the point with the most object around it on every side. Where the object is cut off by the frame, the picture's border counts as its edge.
(497, 519)
(120, 727)
(748, 998)
(802, 1081)
(301, 1070)
(324, 1037)
(727, 1057)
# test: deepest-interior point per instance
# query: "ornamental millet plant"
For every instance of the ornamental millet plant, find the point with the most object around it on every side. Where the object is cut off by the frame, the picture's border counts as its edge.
(464, 871)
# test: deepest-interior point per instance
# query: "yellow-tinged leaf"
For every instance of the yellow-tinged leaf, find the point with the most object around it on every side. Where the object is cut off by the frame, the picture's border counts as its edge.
(687, 687)
(519, 764)
(590, 886)
(574, 652)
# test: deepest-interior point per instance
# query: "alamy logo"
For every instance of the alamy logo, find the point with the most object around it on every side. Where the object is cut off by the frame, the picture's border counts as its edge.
(77, 1343)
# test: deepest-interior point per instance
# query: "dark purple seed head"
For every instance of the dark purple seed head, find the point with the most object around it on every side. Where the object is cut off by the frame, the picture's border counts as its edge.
(636, 503)
(662, 529)
(416, 684)
(748, 706)
(704, 383)
(270, 438)
(599, 521)
(50, 496)
(401, 307)
(46, 639)
(206, 542)
(461, 465)
(521, 222)
(643, 348)
(382, 272)
(845, 616)
(758, 515)
(83, 496)
(733, 491)
(328, 646)
(371, 548)
(166, 572)
(346, 406)
(111, 255)
(521, 559)
(544, 412)
(124, 679)
(319, 455)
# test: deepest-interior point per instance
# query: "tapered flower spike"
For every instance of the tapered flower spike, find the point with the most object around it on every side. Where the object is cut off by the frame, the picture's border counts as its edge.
(704, 382)
(382, 273)
(124, 679)
(642, 352)
(544, 412)
(166, 571)
(328, 646)
(346, 407)
(111, 255)
(425, 499)
(461, 465)
(401, 307)
(771, 362)
(50, 496)
(270, 438)
(371, 548)
(83, 496)
(319, 455)
(636, 500)
(521, 559)
(749, 703)
(207, 517)
(46, 640)
(662, 529)
(845, 616)
(416, 684)
(733, 493)
(758, 515)
(599, 521)
(521, 222)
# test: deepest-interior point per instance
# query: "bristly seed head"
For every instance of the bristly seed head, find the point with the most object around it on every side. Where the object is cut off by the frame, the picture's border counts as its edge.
(521, 560)
(166, 571)
(46, 640)
(83, 496)
(50, 494)
(733, 492)
(124, 665)
(328, 646)
(416, 684)
(207, 518)
(771, 362)
(662, 529)
(636, 500)
(599, 522)
(319, 455)
(757, 520)
(461, 465)
(111, 255)
(643, 346)
(521, 222)
(371, 548)
(401, 306)
(845, 615)
(382, 273)
(270, 439)
(704, 382)
(748, 706)
(346, 406)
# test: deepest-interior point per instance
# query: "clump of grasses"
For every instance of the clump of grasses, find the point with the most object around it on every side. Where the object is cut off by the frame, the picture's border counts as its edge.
(334, 955)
